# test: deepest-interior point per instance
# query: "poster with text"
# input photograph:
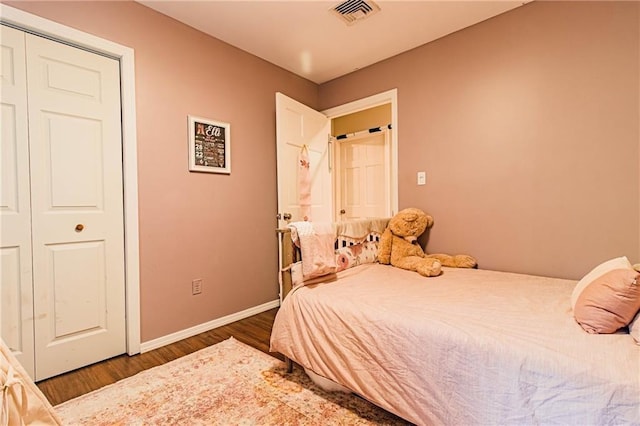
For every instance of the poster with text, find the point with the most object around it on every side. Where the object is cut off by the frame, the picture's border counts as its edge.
(209, 145)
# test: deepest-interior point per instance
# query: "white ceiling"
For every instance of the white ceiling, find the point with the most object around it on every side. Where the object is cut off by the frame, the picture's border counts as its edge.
(303, 37)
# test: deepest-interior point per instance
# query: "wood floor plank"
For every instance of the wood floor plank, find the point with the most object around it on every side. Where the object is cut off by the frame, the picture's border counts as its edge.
(254, 331)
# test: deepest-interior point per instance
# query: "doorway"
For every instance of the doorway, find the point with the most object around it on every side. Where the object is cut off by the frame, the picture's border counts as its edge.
(351, 125)
(362, 153)
(291, 139)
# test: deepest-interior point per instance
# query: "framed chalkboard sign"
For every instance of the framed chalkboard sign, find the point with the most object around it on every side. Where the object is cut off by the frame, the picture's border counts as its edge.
(209, 145)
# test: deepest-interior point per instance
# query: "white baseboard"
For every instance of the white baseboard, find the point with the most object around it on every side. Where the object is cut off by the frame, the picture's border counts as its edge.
(201, 328)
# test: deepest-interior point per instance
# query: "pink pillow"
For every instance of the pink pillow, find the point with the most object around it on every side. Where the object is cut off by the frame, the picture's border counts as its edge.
(609, 302)
(357, 254)
(598, 271)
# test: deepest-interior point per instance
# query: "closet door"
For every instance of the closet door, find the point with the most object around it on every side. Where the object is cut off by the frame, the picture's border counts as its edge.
(16, 293)
(77, 206)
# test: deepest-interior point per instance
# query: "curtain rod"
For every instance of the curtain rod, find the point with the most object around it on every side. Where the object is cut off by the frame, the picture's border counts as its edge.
(371, 130)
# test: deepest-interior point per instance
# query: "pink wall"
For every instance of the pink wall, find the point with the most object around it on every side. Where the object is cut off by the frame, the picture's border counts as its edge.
(528, 128)
(220, 228)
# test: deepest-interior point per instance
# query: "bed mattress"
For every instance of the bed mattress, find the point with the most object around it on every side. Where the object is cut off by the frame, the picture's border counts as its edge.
(467, 347)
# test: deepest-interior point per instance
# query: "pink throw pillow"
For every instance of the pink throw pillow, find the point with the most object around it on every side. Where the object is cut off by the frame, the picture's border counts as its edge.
(357, 254)
(609, 302)
(598, 271)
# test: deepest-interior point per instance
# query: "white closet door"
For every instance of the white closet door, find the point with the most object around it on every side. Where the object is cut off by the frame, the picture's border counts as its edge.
(16, 293)
(77, 206)
(364, 177)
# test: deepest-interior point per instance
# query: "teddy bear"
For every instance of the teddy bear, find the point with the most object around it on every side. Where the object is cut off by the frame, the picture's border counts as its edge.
(399, 246)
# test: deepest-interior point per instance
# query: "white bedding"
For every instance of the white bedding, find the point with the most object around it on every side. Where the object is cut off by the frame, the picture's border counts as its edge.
(467, 347)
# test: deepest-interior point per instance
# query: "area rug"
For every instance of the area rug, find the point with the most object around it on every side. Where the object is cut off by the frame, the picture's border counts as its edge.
(226, 384)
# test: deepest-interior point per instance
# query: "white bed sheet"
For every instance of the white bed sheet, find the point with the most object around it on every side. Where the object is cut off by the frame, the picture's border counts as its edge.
(468, 347)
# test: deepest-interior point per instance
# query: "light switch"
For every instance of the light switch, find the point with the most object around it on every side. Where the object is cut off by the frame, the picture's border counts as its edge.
(422, 178)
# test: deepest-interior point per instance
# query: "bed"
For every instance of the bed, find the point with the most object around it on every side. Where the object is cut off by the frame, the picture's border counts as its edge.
(469, 347)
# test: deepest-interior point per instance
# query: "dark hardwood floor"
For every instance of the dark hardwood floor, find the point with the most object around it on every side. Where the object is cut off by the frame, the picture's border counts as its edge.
(254, 331)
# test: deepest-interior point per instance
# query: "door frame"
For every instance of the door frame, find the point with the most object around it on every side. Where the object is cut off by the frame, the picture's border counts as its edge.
(388, 97)
(125, 55)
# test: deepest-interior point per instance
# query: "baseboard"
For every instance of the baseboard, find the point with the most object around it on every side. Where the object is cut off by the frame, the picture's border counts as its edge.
(201, 328)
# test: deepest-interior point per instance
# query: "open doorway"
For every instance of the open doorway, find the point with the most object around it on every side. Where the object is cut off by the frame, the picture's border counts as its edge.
(299, 127)
(362, 154)
(359, 120)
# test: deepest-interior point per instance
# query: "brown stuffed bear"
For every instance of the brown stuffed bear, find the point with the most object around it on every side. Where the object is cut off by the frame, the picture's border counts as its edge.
(399, 247)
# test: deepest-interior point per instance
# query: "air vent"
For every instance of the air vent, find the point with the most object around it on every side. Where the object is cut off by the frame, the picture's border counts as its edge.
(352, 11)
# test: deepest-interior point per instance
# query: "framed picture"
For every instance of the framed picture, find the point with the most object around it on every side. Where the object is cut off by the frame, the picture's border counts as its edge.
(209, 145)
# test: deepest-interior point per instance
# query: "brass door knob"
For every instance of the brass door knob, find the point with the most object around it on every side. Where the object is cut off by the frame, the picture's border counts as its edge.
(287, 216)
(79, 227)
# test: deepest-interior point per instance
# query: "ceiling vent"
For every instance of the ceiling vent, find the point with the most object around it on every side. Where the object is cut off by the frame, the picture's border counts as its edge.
(352, 11)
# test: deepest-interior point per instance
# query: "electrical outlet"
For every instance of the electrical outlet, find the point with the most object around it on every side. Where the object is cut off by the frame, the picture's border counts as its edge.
(196, 286)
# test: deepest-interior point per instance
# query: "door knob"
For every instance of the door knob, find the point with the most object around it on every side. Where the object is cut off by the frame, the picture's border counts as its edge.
(79, 227)
(343, 211)
(287, 216)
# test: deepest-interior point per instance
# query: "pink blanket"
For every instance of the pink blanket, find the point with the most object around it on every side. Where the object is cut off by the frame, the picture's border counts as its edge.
(316, 242)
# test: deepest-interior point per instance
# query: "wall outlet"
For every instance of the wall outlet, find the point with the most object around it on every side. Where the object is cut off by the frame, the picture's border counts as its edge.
(196, 286)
